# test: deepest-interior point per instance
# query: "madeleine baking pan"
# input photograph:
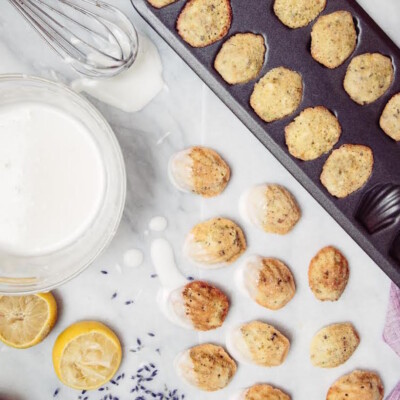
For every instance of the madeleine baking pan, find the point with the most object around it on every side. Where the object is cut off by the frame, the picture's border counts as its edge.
(380, 197)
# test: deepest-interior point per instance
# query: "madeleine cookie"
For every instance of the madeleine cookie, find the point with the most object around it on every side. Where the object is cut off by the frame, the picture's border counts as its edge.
(268, 282)
(333, 345)
(199, 170)
(271, 208)
(204, 22)
(207, 366)
(368, 77)
(241, 58)
(333, 39)
(161, 3)
(358, 385)
(277, 94)
(298, 13)
(390, 118)
(313, 133)
(199, 305)
(347, 169)
(264, 392)
(215, 243)
(328, 274)
(258, 343)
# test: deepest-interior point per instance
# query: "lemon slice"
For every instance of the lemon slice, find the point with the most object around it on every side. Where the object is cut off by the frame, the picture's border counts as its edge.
(26, 320)
(86, 355)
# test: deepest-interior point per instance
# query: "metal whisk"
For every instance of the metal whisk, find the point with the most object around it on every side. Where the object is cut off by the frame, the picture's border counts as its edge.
(95, 38)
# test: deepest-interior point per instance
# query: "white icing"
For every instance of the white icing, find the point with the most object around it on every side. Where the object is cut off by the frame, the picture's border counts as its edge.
(133, 258)
(158, 224)
(180, 171)
(237, 346)
(172, 305)
(51, 177)
(132, 89)
(192, 250)
(162, 256)
(247, 275)
(184, 367)
(169, 297)
(253, 205)
(239, 395)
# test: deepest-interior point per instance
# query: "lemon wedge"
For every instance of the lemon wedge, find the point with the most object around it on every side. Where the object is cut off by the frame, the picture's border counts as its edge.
(86, 355)
(26, 320)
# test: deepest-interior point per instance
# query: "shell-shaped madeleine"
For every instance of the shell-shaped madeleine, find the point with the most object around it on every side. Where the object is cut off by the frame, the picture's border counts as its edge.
(207, 366)
(199, 305)
(328, 274)
(264, 392)
(271, 208)
(215, 243)
(199, 170)
(333, 345)
(268, 281)
(258, 343)
(358, 385)
(380, 207)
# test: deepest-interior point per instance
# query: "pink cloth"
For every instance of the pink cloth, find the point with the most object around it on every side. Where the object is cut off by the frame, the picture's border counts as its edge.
(391, 332)
(395, 395)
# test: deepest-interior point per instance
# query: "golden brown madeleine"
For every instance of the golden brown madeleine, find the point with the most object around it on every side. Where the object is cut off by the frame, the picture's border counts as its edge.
(347, 169)
(271, 208)
(241, 58)
(268, 281)
(333, 38)
(313, 133)
(215, 243)
(390, 118)
(333, 345)
(205, 305)
(328, 274)
(277, 94)
(368, 77)
(199, 170)
(264, 392)
(204, 22)
(358, 385)
(161, 3)
(207, 366)
(259, 343)
(298, 13)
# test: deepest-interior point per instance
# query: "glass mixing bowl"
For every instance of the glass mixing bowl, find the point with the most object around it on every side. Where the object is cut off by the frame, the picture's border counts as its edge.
(31, 274)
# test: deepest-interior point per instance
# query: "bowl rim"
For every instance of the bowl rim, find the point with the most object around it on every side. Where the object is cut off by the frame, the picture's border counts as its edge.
(122, 186)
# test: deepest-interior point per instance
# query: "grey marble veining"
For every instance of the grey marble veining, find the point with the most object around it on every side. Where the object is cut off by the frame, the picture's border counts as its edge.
(186, 113)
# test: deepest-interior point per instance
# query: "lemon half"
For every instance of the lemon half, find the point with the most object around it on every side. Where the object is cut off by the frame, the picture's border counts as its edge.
(26, 320)
(86, 355)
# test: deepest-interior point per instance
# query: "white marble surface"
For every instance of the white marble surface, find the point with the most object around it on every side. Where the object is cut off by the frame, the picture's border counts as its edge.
(187, 113)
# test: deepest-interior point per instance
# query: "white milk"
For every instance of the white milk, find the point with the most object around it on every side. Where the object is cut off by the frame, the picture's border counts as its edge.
(132, 89)
(51, 179)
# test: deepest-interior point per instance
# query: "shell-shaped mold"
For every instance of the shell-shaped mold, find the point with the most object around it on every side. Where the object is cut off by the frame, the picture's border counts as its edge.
(380, 207)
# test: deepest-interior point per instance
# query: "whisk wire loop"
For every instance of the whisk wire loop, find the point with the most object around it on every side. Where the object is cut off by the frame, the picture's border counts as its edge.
(96, 38)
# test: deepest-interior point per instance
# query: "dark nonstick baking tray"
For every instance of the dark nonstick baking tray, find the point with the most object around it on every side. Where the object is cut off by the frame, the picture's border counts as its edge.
(291, 48)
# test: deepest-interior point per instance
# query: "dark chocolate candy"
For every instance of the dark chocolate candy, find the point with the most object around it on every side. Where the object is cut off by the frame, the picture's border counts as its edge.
(395, 248)
(380, 207)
